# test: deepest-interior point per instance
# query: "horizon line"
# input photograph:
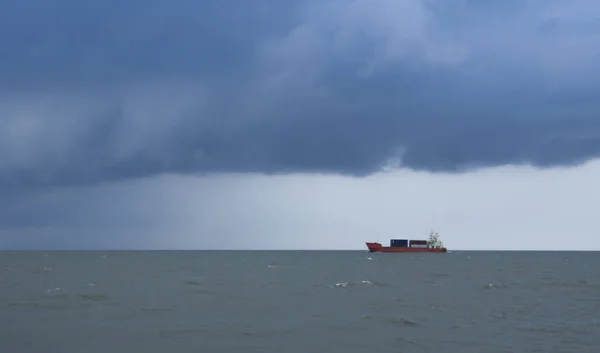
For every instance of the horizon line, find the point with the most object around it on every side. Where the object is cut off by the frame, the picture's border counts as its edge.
(292, 250)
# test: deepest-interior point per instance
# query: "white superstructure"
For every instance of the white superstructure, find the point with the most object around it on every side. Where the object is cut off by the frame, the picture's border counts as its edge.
(434, 241)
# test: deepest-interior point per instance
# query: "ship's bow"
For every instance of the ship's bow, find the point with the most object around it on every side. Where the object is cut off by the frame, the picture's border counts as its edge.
(373, 247)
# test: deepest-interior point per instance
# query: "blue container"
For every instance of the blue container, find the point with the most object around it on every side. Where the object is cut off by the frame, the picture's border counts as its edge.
(399, 243)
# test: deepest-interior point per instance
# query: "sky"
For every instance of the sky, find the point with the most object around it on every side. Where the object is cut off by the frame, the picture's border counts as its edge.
(293, 124)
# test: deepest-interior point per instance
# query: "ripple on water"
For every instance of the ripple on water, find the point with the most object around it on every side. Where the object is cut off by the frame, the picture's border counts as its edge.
(392, 320)
(440, 274)
(357, 283)
(179, 332)
(94, 297)
(494, 286)
(57, 298)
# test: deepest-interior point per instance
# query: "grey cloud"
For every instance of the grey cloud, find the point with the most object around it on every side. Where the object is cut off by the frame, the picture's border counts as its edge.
(102, 91)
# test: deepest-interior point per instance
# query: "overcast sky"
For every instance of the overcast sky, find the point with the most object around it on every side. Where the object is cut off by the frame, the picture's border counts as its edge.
(288, 124)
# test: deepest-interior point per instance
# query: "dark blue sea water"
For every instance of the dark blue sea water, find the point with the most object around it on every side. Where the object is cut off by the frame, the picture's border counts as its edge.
(299, 301)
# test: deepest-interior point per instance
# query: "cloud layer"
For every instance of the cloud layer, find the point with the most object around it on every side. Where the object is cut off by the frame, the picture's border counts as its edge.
(113, 90)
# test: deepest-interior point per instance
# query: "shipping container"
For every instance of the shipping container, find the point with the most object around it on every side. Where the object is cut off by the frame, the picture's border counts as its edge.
(399, 243)
(422, 246)
(418, 241)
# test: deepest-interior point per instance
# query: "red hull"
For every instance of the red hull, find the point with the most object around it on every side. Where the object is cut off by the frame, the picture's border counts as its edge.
(377, 247)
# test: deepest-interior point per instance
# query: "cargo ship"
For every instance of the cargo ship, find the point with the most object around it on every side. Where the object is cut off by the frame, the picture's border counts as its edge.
(433, 244)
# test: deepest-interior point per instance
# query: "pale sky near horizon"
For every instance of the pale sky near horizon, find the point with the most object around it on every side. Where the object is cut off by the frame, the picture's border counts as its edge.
(227, 124)
(505, 208)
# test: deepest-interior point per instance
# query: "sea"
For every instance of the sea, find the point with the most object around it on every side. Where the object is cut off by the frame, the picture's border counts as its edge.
(299, 301)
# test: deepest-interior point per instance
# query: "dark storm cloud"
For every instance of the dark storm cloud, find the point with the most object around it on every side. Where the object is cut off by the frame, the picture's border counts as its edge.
(108, 90)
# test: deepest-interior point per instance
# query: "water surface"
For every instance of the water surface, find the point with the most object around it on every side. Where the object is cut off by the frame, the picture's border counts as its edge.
(299, 301)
